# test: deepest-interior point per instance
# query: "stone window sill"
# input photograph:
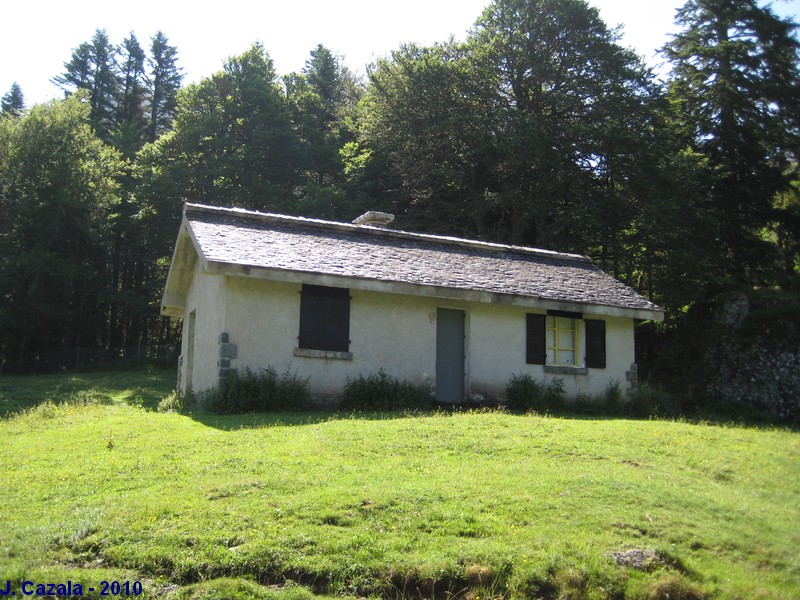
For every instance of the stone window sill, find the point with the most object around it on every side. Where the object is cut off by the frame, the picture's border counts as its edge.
(330, 354)
(562, 370)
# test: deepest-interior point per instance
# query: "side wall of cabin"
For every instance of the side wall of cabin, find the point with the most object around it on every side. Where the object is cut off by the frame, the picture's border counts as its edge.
(243, 322)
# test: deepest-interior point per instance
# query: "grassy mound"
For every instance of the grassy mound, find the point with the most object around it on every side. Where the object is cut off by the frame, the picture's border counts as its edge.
(466, 505)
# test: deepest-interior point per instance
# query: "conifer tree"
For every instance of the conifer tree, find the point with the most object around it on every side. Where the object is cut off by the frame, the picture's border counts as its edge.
(13, 102)
(736, 87)
(131, 125)
(165, 81)
(93, 67)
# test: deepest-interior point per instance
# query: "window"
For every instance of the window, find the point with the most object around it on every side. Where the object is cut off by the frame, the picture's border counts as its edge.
(566, 340)
(561, 340)
(324, 318)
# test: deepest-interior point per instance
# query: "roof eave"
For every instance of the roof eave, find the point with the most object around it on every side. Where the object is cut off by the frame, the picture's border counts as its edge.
(184, 255)
(431, 291)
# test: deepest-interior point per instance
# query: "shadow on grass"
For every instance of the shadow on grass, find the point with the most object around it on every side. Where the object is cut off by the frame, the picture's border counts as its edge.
(143, 387)
(298, 418)
(146, 387)
(257, 420)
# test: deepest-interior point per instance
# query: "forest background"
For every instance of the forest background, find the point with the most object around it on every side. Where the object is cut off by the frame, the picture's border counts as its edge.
(538, 129)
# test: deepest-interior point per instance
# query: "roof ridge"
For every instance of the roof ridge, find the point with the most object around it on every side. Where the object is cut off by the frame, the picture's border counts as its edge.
(383, 231)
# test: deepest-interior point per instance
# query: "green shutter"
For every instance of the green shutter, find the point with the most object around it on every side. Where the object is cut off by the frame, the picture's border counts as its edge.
(535, 350)
(595, 343)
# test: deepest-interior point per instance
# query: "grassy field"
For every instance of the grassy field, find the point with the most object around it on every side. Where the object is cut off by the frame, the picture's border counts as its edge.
(97, 486)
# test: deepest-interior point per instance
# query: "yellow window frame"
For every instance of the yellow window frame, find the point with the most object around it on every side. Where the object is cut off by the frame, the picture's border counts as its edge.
(559, 326)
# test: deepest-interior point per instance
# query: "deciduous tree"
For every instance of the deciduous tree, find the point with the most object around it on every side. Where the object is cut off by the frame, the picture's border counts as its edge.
(531, 132)
(57, 187)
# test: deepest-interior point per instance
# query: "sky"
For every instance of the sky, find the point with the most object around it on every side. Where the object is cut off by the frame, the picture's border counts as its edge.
(37, 37)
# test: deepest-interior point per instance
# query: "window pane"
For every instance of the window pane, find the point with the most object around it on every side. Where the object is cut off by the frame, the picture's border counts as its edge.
(566, 339)
(566, 357)
(551, 356)
(551, 337)
(563, 323)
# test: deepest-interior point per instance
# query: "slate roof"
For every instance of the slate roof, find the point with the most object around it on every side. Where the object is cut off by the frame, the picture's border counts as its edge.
(293, 244)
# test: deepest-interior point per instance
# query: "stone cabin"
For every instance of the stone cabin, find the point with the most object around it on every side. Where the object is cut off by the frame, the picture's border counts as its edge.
(333, 301)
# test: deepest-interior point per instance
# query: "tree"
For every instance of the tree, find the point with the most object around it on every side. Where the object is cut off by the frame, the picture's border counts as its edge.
(736, 87)
(425, 142)
(573, 108)
(322, 99)
(232, 142)
(528, 133)
(128, 109)
(13, 102)
(131, 123)
(57, 186)
(93, 67)
(165, 81)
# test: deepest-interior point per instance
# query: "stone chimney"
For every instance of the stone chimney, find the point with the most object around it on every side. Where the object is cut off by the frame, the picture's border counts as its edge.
(374, 218)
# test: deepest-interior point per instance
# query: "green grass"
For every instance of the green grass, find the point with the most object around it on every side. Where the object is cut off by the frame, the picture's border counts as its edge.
(464, 505)
(142, 388)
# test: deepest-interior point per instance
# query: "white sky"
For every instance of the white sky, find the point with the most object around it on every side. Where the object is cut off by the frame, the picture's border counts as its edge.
(36, 38)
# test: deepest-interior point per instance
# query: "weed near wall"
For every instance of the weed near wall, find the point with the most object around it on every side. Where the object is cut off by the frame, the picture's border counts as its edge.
(524, 393)
(256, 391)
(382, 392)
(175, 402)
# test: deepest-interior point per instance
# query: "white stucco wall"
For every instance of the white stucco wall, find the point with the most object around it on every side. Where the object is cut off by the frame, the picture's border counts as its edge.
(390, 331)
(206, 297)
(497, 351)
(396, 333)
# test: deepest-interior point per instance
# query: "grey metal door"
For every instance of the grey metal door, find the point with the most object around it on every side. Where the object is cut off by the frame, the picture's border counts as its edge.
(449, 355)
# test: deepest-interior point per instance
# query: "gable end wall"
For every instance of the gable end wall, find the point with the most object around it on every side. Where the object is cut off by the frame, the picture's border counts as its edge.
(207, 297)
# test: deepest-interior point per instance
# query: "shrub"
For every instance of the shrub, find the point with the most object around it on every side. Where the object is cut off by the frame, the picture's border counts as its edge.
(261, 391)
(609, 402)
(524, 393)
(612, 399)
(175, 402)
(650, 400)
(382, 392)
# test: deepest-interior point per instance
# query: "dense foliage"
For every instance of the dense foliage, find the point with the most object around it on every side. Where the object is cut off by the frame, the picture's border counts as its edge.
(256, 391)
(58, 185)
(380, 392)
(538, 129)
